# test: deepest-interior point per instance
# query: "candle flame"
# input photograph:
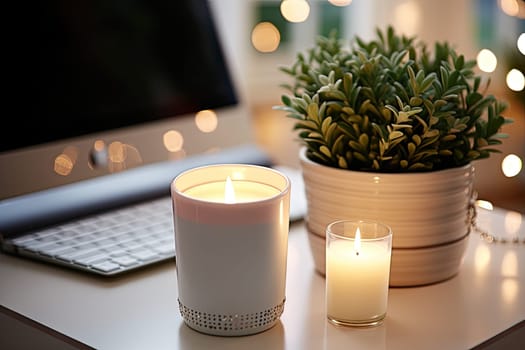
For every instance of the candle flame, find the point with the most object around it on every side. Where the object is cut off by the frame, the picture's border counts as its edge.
(229, 192)
(357, 241)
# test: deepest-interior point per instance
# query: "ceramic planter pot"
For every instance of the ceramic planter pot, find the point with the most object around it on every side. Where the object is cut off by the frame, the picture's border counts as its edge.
(428, 213)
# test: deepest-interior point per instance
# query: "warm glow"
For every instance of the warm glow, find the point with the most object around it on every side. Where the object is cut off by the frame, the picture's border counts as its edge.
(238, 175)
(229, 192)
(521, 43)
(487, 61)
(513, 222)
(206, 120)
(510, 290)
(357, 241)
(63, 164)
(265, 37)
(407, 17)
(511, 165)
(481, 259)
(515, 80)
(484, 204)
(509, 264)
(173, 140)
(122, 156)
(295, 10)
(340, 2)
(510, 7)
(117, 152)
(99, 145)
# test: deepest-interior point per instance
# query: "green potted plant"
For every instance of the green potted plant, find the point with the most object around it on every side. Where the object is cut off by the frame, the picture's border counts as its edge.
(386, 122)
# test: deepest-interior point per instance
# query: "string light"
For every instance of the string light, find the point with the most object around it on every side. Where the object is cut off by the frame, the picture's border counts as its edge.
(340, 2)
(515, 80)
(521, 43)
(295, 10)
(511, 165)
(510, 7)
(265, 37)
(487, 61)
(206, 120)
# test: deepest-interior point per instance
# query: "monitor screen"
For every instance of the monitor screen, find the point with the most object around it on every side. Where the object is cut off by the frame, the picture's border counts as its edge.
(84, 66)
(96, 87)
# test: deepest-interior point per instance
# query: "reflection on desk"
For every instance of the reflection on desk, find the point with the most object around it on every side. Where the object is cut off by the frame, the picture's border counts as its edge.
(139, 311)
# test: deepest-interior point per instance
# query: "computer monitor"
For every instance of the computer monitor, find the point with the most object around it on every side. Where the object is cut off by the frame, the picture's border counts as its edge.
(98, 87)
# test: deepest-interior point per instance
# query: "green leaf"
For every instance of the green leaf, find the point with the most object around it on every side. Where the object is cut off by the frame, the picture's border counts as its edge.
(356, 146)
(431, 133)
(313, 112)
(394, 135)
(363, 140)
(326, 124)
(411, 149)
(325, 150)
(342, 162)
(306, 124)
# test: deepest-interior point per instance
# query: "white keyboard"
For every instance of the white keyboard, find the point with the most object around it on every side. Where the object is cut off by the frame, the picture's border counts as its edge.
(110, 243)
(122, 239)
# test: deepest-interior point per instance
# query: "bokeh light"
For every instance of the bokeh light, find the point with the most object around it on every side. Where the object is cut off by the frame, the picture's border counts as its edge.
(65, 161)
(510, 7)
(117, 152)
(515, 80)
(173, 140)
(295, 10)
(511, 165)
(63, 164)
(487, 61)
(206, 120)
(521, 43)
(265, 37)
(340, 2)
(407, 17)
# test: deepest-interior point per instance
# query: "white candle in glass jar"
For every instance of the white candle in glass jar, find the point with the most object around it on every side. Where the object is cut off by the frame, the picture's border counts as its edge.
(357, 275)
(231, 191)
(231, 233)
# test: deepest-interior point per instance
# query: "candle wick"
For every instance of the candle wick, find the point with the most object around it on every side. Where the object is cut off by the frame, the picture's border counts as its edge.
(356, 253)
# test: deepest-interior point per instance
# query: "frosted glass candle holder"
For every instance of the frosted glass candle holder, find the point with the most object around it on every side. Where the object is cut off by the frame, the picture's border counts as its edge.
(231, 238)
(358, 257)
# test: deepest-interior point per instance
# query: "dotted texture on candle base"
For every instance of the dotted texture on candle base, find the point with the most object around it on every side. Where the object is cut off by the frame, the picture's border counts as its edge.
(231, 324)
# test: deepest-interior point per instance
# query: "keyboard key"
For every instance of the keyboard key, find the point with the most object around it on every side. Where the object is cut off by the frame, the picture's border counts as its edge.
(145, 255)
(25, 240)
(92, 259)
(164, 248)
(106, 266)
(52, 249)
(115, 253)
(36, 245)
(125, 260)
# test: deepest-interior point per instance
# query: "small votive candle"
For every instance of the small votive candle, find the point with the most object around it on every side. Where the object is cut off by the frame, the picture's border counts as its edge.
(357, 272)
(231, 241)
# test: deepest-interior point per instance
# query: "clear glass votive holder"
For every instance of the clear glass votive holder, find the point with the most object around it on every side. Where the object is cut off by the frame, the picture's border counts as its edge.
(358, 255)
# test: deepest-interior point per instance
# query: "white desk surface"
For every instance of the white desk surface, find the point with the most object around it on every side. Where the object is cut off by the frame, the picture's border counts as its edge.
(139, 311)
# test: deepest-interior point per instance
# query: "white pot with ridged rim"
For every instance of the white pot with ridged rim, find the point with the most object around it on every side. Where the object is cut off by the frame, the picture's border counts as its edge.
(427, 211)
